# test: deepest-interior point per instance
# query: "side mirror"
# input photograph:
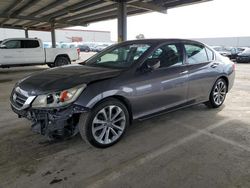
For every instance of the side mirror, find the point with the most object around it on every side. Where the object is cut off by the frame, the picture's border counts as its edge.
(3, 46)
(153, 64)
(98, 60)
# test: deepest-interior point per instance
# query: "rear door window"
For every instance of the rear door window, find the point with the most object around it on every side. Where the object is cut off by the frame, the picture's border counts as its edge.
(30, 44)
(196, 53)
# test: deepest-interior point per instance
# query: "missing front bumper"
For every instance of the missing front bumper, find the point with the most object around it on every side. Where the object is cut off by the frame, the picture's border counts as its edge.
(53, 122)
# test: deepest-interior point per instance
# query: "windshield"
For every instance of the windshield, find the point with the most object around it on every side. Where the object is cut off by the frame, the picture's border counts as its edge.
(119, 57)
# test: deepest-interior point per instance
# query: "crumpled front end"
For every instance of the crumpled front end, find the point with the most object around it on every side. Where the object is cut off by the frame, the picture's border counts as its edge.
(50, 122)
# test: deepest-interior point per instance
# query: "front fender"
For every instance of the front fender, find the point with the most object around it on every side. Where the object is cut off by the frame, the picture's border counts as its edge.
(91, 97)
(100, 97)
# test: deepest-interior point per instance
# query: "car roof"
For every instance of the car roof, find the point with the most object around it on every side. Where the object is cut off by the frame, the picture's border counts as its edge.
(162, 40)
(22, 39)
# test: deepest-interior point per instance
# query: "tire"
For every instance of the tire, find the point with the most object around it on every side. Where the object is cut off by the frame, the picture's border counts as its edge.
(61, 60)
(51, 65)
(103, 132)
(218, 94)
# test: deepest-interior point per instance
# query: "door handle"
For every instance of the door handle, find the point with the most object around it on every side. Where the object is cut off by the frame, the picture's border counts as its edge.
(214, 65)
(184, 72)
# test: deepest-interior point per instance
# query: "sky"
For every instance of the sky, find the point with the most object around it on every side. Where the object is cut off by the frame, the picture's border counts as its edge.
(218, 18)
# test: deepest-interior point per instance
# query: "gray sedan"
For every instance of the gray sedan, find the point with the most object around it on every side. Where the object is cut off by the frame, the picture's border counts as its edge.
(132, 80)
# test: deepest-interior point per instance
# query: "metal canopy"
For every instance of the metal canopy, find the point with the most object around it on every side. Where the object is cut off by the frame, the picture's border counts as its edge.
(46, 15)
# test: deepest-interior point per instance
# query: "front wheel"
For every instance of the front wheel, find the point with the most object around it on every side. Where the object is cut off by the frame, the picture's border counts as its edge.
(105, 124)
(218, 94)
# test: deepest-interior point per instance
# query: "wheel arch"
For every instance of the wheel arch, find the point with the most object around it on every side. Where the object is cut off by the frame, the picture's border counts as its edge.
(226, 80)
(62, 55)
(123, 100)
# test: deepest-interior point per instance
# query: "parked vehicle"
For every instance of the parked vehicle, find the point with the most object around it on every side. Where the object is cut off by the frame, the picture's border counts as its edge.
(91, 45)
(99, 48)
(23, 51)
(103, 95)
(83, 48)
(235, 51)
(244, 57)
(223, 51)
(230, 52)
(49, 45)
(65, 45)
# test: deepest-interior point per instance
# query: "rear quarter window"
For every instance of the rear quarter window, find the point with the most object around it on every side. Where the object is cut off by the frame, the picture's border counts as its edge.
(210, 54)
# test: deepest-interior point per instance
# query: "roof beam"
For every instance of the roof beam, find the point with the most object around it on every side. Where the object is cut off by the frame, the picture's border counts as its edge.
(107, 14)
(87, 13)
(48, 7)
(36, 19)
(44, 9)
(10, 8)
(29, 4)
(91, 12)
(72, 8)
(148, 6)
(20, 27)
(177, 3)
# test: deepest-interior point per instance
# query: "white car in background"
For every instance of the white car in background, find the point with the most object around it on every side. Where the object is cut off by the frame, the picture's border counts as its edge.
(49, 45)
(31, 51)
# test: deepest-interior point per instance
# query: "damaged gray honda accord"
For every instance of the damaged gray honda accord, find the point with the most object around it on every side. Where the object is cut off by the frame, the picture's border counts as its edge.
(131, 80)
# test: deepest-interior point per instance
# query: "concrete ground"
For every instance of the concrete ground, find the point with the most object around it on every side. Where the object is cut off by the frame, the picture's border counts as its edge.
(193, 147)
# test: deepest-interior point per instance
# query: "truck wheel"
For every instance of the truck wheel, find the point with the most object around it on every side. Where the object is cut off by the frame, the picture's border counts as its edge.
(51, 65)
(60, 61)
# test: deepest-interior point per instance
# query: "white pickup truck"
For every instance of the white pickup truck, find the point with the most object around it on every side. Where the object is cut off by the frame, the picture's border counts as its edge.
(30, 51)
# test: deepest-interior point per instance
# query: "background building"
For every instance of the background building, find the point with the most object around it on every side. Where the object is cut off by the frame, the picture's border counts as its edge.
(62, 35)
(226, 41)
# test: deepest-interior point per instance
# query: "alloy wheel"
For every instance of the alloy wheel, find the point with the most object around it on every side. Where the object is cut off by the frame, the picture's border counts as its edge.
(108, 124)
(219, 93)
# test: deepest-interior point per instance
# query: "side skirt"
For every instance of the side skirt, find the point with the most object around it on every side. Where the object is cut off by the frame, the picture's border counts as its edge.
(172, 109)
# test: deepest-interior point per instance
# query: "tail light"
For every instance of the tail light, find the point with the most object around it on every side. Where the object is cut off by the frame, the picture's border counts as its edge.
(234, 66)
(78, 51)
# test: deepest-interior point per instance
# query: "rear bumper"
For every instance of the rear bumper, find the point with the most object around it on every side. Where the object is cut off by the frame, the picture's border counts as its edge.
(231, 79)
(53, 121)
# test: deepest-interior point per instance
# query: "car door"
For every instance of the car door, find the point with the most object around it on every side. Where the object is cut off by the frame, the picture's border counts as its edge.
(202, 70)
(32, 52)
(9, 52)
(164, 87)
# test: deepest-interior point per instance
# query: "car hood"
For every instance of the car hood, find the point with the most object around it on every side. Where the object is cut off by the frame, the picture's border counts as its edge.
(60, 78)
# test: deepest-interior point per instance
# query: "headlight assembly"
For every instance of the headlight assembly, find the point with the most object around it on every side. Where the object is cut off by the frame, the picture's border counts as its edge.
(58, 99)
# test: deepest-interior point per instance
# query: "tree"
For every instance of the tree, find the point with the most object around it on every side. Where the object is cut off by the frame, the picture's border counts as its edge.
(140, 36)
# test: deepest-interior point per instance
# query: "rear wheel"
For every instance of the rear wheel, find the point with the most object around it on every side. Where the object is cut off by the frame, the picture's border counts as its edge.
(61, 60)
(218, 94)
(105, 124)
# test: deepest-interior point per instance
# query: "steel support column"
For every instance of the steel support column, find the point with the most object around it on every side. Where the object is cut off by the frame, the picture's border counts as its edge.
(122, 21)
(26, 33)
(53, 35)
